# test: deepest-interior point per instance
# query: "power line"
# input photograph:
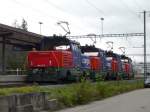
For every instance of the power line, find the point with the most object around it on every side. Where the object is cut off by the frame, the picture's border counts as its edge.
(36, 10)
(138, 5)
(97, 9)
(54, 5)
(130, 10)
(60, 9)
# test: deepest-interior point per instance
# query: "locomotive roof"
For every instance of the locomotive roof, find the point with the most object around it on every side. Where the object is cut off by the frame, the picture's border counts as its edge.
(125, 57)
(110, 53)
(50, 41)
(58, 40)
(90, 48)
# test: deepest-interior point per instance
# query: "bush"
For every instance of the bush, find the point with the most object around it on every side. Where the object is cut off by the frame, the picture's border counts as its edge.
(79, 93)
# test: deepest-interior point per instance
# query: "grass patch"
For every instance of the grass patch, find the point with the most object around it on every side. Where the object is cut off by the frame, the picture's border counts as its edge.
(79, 93)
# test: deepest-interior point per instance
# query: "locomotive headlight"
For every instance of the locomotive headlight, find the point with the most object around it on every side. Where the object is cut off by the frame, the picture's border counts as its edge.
(50, 62)
(31, 63)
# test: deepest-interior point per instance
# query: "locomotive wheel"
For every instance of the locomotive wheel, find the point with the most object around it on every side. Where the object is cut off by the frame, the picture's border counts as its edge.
(68, 76)
(84, 75)
(58, 80)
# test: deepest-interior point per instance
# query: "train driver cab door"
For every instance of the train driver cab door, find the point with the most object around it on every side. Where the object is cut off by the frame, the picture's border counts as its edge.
(76, 51)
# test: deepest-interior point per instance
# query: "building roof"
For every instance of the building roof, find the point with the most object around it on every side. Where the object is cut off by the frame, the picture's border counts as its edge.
(19, 35)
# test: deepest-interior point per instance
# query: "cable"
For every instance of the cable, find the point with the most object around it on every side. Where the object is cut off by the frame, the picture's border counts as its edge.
(35, 10)
(98, 10)
(38, 11)
(130, 10)
(53, 5)
(141, 8)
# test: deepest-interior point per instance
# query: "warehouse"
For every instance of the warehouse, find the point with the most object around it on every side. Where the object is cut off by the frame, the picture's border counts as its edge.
(14, 43)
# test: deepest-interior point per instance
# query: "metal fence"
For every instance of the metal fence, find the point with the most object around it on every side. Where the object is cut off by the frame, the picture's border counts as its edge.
(17, 71)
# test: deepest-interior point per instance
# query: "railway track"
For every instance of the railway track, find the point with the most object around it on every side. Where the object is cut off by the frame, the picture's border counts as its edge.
(20, 81)
(46, 85)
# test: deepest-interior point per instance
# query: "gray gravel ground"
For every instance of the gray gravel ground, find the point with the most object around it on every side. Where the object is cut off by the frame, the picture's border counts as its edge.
(135, 101)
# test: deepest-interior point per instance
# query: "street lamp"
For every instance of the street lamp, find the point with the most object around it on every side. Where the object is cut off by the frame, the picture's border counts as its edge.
(102, 19)
(40, 25)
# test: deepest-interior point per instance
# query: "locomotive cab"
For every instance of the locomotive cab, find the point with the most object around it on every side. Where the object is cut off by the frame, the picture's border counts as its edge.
(127, 67)
(96, 59)
(113, 66)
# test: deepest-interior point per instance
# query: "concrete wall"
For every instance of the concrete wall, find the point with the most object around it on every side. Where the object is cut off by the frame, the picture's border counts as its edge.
(34, 102)
(0, 56)
(12, 78)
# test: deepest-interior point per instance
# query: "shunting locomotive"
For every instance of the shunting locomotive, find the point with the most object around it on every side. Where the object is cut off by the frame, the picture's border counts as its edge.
(60, 59)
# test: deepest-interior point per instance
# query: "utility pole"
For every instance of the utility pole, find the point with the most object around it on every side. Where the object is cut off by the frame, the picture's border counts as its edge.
(145, 54)
(145, 63)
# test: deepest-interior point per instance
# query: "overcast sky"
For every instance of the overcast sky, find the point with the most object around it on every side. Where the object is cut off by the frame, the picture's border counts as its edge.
(120, 16)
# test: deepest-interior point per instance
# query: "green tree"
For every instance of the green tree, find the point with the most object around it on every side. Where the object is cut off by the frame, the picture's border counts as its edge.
(24, 25)
(15, 24)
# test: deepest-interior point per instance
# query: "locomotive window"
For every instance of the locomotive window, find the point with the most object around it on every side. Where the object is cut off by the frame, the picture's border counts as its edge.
(91, 53)
(124, 60)
(109, 58)
(63, 47)
(101, 54)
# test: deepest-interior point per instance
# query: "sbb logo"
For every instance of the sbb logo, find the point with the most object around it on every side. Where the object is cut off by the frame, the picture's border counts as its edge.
(85, 61)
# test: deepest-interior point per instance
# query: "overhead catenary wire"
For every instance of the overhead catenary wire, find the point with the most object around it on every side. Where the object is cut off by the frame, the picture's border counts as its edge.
(97, 9)
(36, 10)
(131, 11)
(139, 6)
(42, 13)
(54, 5)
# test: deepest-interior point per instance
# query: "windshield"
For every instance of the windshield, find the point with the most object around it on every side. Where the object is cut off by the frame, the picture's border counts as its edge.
(109, 58)
(62, 47)
(91, 53)
(124, 60)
